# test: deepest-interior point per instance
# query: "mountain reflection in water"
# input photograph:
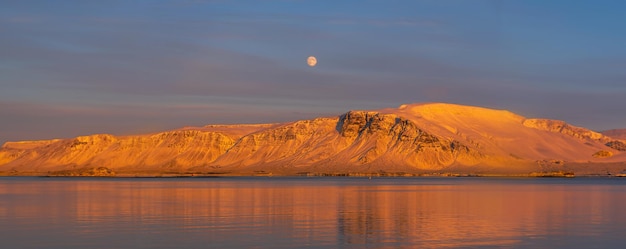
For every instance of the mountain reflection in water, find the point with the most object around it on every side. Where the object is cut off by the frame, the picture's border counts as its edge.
(312, 213)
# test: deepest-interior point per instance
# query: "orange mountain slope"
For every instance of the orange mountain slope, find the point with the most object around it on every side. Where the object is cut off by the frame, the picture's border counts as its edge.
(415, 139)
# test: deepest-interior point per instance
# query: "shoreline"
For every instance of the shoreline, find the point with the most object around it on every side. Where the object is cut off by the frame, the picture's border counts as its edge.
(355, 175)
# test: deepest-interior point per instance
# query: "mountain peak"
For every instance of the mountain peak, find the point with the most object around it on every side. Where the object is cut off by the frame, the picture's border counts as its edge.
(436, 109)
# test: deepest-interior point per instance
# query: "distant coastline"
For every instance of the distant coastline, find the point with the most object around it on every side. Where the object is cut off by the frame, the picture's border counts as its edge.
(104, 172)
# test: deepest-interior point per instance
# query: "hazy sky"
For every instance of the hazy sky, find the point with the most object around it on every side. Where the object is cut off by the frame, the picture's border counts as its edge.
(70, 68)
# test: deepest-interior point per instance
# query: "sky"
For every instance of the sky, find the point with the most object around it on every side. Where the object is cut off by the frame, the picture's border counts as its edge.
(71, 68)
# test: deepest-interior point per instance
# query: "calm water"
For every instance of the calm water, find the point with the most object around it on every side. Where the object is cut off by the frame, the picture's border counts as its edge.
(312, 213)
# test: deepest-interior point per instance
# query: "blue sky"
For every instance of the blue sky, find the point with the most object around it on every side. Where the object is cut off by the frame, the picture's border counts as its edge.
(70, 68)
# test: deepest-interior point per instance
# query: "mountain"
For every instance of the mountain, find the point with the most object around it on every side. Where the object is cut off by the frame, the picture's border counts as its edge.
(616, 133)
(431, 138)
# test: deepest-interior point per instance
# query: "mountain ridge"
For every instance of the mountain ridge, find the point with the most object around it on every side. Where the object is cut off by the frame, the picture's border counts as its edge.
(616, 133)
(422, 138)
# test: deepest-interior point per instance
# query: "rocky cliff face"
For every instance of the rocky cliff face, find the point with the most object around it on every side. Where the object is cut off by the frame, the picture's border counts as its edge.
(355, 141)
(577, 132)
(400, 140)
(415, 138)
(564, 128)
(173, 151)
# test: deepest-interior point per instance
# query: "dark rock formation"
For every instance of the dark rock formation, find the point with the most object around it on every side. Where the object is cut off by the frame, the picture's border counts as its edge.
(618, 145)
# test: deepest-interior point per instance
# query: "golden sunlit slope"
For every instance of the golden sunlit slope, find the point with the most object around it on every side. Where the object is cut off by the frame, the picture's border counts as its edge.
(503, 135)
(413, 138)
(161, 152)
(358, 141)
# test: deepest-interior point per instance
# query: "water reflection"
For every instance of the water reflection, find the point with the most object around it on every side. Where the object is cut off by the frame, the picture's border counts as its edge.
(314, 213)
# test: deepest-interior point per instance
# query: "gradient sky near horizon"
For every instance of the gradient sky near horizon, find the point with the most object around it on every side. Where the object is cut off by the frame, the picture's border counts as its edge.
(70, 68)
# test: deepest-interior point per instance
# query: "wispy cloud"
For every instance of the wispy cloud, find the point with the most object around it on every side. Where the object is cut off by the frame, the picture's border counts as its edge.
(385, 22)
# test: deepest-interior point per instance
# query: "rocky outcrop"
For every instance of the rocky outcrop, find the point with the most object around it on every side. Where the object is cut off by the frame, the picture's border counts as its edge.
(564, 128)
(617, 145)
(602, 154)
(399, 138)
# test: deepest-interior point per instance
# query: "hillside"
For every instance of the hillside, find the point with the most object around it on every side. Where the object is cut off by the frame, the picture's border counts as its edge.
(429, 138)
(616, 133)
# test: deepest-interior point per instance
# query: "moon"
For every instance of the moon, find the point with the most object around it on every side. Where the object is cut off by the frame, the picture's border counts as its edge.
(312, 61)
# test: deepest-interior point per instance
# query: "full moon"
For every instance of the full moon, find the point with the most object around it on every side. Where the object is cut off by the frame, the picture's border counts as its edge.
(312, 61)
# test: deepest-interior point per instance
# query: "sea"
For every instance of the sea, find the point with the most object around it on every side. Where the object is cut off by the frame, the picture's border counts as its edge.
(312, 212)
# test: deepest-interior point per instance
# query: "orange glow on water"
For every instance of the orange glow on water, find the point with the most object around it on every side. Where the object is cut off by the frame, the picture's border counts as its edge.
(447, 215)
